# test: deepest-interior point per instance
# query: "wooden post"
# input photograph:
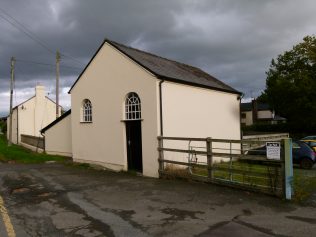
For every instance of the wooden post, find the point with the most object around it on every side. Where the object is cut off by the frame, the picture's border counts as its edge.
(11, 101)
(57, 83)
(209, 158)
(288, 168)
(160, 159)
(230, 161)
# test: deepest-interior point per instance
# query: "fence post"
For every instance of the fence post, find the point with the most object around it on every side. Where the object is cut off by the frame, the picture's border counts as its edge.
(230, 161)
(288, 168)
(209, 158)
(160, 154)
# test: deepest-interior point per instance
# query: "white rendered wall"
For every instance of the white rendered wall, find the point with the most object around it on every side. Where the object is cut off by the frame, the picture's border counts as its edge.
(248, 120)
(196, 112)
(45, 110)
(27, 118)
(14, 127)
(106, 82)
(265, 114)
(33, 114)
(58, 138)
(22, 121)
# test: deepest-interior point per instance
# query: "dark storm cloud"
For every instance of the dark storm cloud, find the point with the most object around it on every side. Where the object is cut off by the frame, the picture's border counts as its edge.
(232, 40)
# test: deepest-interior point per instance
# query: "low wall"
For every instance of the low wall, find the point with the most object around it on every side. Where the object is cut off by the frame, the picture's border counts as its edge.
(36, 142)
(32, 148)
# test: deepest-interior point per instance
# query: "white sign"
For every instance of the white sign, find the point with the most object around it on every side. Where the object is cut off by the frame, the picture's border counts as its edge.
(273, 150)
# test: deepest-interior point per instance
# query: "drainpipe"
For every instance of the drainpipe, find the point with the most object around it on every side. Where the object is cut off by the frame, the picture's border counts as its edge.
(239, 97)
(17, 125)
(160, 105)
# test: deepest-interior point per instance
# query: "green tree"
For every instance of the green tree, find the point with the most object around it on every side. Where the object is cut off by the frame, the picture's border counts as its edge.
(291, 84)
(3, 126)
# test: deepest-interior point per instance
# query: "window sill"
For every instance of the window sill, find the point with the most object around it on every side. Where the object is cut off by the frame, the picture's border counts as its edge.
(85, 122)
(129, 120)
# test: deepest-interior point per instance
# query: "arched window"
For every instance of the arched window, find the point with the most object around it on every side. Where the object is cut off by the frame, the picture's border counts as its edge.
(132, 107)
(86, 111)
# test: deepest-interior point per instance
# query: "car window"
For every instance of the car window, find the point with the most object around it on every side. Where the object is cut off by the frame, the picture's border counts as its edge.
(312, 143)
(295, 145)
(309, 138)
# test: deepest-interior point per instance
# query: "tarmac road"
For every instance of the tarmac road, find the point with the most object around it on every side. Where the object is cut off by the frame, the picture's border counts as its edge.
(58, 200)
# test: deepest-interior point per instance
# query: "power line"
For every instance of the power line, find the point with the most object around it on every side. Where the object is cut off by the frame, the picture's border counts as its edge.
(45, 64)
(25, 31)
(14, 22)
(70, 57)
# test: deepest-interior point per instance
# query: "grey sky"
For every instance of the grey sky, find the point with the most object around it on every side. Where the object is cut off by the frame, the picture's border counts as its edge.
(232, 40)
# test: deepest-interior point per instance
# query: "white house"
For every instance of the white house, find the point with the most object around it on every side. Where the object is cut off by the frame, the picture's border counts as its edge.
(126, 97)
(256, 112)
(32, 115)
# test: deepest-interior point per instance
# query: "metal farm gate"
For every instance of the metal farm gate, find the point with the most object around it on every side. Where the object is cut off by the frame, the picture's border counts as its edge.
(243, 164)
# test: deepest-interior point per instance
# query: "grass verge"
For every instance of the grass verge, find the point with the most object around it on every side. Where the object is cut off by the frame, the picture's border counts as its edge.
(304, 182)
(20, 154)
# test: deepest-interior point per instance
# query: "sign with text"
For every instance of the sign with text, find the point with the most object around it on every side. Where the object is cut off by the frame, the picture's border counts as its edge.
(273, 150)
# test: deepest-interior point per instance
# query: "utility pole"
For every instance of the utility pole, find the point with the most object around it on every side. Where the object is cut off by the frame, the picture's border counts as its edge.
(57, 83)
(11, 99)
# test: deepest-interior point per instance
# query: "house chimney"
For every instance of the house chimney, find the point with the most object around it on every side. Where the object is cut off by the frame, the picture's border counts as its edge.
(40, 106)
(40, 92)
(254, 110)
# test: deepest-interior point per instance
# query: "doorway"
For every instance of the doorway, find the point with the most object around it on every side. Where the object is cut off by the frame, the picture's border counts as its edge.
(134, 145)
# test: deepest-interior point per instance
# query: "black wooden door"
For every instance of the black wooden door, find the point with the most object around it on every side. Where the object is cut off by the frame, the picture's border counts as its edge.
(134, 145)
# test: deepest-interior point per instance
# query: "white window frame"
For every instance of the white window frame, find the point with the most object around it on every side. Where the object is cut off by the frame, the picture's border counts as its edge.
(132, 107)
(86, 111)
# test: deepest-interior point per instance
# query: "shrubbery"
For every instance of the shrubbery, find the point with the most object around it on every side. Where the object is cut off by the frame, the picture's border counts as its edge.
(3, 126)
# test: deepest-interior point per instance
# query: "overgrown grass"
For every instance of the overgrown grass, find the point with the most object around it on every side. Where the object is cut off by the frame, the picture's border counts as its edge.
(304, 184)
(176, 172)
(19, 154)
(243, 176)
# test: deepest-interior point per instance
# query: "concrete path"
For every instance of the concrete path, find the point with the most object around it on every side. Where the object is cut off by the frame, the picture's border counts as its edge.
(57, 200)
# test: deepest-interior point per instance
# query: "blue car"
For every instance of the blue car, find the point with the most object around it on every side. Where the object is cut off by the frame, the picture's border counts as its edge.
(301, 152)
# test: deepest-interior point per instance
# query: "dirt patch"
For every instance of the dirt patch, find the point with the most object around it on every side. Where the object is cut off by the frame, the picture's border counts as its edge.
(20, 190)
(180, 215)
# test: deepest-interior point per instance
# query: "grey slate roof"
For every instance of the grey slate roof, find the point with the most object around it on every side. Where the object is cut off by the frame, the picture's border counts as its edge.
(173, 70)
(248, 106)
(169, 70)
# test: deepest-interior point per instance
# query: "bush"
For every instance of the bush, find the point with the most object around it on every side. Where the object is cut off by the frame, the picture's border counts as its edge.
(3, 126)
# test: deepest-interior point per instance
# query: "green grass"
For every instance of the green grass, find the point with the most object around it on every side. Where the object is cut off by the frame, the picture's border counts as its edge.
(242, 178)
(20, 154)
(304, 182)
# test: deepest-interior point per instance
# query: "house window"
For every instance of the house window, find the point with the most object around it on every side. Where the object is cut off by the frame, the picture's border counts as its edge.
(243, 115)
(132, 107)
(86, 111)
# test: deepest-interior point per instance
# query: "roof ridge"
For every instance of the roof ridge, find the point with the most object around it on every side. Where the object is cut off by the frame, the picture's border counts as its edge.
(166, 69)
(152, 54)
(179, 64)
